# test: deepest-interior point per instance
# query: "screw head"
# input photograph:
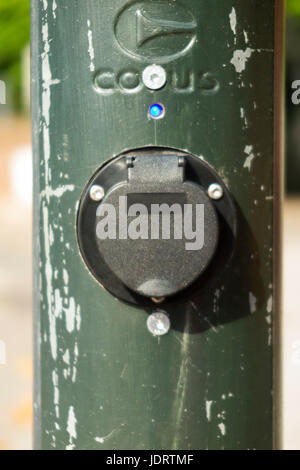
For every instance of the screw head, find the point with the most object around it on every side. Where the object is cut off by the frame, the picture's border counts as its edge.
(97, 192)
(158, 323)
(215, 191)
(154, 77)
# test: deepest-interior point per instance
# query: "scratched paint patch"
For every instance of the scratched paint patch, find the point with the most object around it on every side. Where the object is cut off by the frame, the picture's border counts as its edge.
(233, 21)
(208, 406)
(91, 50)
(240, 58)
(250, 157)
(71, 428)
(252, 302)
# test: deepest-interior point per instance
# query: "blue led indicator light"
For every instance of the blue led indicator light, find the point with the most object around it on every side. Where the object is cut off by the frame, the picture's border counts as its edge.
(156, 111)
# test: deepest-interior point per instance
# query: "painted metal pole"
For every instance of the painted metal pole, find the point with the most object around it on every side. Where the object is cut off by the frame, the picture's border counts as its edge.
(102, 381)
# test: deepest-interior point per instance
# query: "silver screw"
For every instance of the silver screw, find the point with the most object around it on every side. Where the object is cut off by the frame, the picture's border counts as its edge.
(154, 77)
(97, 192)
(215, 191)
(158, 324)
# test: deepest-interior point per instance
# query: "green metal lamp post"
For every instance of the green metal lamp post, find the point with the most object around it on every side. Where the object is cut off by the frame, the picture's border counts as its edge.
(102, 380)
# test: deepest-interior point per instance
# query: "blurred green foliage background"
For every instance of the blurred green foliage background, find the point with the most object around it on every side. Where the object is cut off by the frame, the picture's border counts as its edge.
(14, 36)
(293, 7)
(14, 29)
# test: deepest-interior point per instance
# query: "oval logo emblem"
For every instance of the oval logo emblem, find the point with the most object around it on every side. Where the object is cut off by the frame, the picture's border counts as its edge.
(156, 31)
